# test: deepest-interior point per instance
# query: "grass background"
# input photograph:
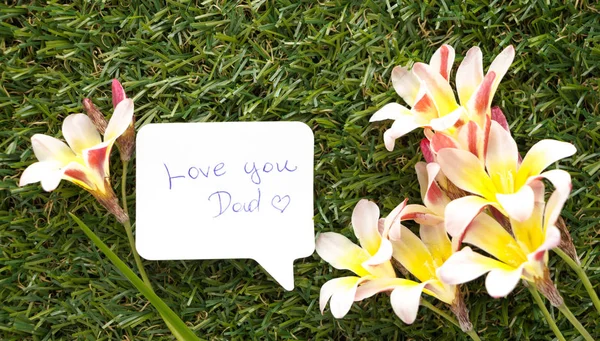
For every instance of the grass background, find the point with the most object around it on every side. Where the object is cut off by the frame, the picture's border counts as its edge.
(324, 64)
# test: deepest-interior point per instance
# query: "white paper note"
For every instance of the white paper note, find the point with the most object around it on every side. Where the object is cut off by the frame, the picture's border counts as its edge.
(226, 191)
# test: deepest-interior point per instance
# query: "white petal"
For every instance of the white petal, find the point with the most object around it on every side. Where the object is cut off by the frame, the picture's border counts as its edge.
(48, 148)
(80, 132)
(461, 212)
(518, 206)
(500, 282)
(391, 111)
(378, 285)
(399, 128)
(500, 65)
(466, 265)
(120, 120)
(384, 254)
(439, 88)
(502, 154)
(365, 218)
(446, 122)
(554, 207)
(405, 301)
(406, 84)
(48, 173)
(341, 291)
(341, 253)
(542, 155)
(469, 74)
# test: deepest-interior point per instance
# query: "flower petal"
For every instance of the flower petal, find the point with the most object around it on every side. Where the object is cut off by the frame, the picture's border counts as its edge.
(440, 141)
(424, 109)
(553, 207)
(341, 253)
(378, 285)
(498, 116)
(518, 206)
(502, 153)
(560, 179)
(46, 172)
(447, 121)
(436, 239)
(442, 60)
(551, 240)
(391, 111)
(118, 93)
(48, 148)
(466, 171)
(542, 155)
(425, 146)
(97, 162)
(488, 235)
(365, 218)
(479, 103)
(500, 282)
(499, 66)
(81, 176)
(461, 212)
(80, 132)
(392, 221)
(120, 120)
(469, 74)
(406, 84)
(405, 301)
(399, 128)
(466, 265)
(382, 255)
(412, 253)
(438, 87)
(341, 291)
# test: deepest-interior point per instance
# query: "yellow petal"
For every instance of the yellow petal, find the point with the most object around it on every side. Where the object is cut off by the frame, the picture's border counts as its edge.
(542, 155)
(341, 253)
(412, 253)
(466, 171)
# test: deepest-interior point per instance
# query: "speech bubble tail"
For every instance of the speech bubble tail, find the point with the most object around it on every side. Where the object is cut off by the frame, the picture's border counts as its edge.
(280, 269)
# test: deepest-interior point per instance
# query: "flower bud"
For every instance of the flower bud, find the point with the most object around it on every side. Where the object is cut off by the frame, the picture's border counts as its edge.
(95, 115)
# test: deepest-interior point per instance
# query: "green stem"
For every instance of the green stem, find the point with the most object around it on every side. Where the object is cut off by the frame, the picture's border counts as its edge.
(575, 322)
(136, 256)
(546, 313)
(450, 319)
(176, 325)
(582, 276)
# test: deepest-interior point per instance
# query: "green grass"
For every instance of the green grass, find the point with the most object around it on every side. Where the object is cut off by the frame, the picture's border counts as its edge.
(327, 65)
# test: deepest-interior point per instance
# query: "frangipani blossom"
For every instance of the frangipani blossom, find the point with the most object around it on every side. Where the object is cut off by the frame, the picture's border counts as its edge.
(84, 161)
(523, 256)
(426, 89)
(502, 181)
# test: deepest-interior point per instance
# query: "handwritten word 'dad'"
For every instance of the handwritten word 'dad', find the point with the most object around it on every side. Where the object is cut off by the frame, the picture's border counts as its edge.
(226, 191)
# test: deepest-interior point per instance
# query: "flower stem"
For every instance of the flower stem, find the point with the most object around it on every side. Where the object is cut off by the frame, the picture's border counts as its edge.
(450, 319)
(582, 276)
(546, 313)
(575, 322)
(127, 225)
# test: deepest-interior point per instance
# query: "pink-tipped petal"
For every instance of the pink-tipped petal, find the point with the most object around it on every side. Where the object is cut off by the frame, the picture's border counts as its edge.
(466, 265)
(500, 66)
(365, 218)
(392, 221)
(461, 212)
(425, 146)
(500, 282)
(421, 215)
(48, 148)
(341, 291)
(440, 141)
(479, 103)
(81, 175)
(341, 253)
(502, 153)
(118, 93)
(551, 240)
(80, 132)
(518, 205)
(406, 84)
(466, 171)
(469, 74)
(442, 60)
(438, 87)
(498, 116)
(120, 120)
(425, 109)
(541, 155)
(405, 301)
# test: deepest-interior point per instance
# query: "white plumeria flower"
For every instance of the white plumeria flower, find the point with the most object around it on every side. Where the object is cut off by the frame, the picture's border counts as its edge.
(85, 160)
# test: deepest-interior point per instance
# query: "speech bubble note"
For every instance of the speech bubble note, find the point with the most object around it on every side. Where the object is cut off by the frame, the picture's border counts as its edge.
(226, 191)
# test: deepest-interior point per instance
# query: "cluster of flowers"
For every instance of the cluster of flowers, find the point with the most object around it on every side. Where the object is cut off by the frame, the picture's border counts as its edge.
(475, 188)
(85, 160)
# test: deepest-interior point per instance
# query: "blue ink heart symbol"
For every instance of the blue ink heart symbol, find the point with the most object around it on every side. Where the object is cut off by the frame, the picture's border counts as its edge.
(280, 203)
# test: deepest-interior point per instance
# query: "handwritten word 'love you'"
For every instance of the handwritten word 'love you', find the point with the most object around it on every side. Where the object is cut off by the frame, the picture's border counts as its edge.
(225, 201)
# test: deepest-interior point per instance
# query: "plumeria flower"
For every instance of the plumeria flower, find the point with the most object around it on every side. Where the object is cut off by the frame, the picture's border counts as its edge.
(426, 89)
(502, 181)
(125, 142)
(523, 256)
(84, 161)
